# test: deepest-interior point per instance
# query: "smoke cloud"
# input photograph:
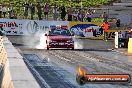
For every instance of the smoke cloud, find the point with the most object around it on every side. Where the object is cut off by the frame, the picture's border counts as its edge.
(38, 41)
(78, 44)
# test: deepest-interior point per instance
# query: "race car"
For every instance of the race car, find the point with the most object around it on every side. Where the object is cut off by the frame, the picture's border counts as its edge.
(59, 38)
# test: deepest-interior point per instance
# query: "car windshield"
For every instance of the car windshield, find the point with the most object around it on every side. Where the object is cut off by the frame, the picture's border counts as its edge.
(60, 32)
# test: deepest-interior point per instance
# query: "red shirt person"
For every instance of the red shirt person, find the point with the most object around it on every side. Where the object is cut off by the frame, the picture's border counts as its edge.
(105, 27)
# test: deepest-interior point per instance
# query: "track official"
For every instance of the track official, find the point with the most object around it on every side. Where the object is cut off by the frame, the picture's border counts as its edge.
(105, 26)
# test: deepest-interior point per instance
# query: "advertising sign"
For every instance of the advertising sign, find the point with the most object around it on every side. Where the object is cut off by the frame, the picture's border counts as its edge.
(27, 27)
(85, 29)
(90, 30)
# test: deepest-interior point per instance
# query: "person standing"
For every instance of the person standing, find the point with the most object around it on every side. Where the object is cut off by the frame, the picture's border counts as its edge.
(79, 16)
(105, 17)
(0, 11)
(4, 10)
(76, 12)
(88, 17)
(10, 10)
(83, 15)
(14, 15)
(39, 11)
(55, 12)
(46, 10)
(26, 6)
(32, 9)
(63, 12)
(118, 23)
(105, 26)
(70, 14)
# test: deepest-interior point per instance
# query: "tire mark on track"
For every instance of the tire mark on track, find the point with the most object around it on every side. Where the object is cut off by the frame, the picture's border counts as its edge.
(92, 59)
(109, 61)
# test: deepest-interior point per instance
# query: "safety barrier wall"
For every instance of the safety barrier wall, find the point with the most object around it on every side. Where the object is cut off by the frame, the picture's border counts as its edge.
(90, 30)
(36, 27)
(15, 73)
(3, 55)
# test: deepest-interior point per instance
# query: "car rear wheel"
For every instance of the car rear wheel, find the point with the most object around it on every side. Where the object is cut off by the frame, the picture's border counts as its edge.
(47, 48)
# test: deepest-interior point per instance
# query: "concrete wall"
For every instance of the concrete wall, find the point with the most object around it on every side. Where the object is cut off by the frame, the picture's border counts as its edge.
(15, 73)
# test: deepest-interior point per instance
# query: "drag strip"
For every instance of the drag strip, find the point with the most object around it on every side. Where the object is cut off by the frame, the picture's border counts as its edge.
(58, 67)
(50, 73)
(61, 72)
(91, 61)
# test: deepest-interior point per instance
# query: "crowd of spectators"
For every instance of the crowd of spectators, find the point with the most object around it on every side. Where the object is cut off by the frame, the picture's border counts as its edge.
(4, 9)
(57, 12)
(43, 12)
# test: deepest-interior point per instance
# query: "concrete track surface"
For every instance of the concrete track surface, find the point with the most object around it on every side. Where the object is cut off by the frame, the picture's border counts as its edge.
(57, 68)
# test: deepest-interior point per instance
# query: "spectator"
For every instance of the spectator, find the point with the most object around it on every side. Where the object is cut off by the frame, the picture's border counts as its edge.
(14, 16)
(118, 23)
(76, 14)
(0, 11)
(39, 11)
(4, 10)
(81, 15)
(70, 14)
(105, 26)
(46, 10)
(10, 10)
(88, 17)
(63, 12)
(32, 9)
(105, 17)
(26, 6)
(55, 12)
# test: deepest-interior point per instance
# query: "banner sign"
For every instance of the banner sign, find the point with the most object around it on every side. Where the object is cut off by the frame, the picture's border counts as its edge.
(85, 29)
(28, 27)
(90, 30)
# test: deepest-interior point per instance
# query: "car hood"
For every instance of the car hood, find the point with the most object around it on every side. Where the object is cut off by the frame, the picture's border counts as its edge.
(60, 37)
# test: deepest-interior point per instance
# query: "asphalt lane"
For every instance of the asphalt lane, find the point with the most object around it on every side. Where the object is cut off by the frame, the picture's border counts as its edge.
(61, 68)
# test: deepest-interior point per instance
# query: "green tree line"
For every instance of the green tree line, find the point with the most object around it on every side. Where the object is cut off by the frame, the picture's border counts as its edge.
(85, 3)
(18, 4)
